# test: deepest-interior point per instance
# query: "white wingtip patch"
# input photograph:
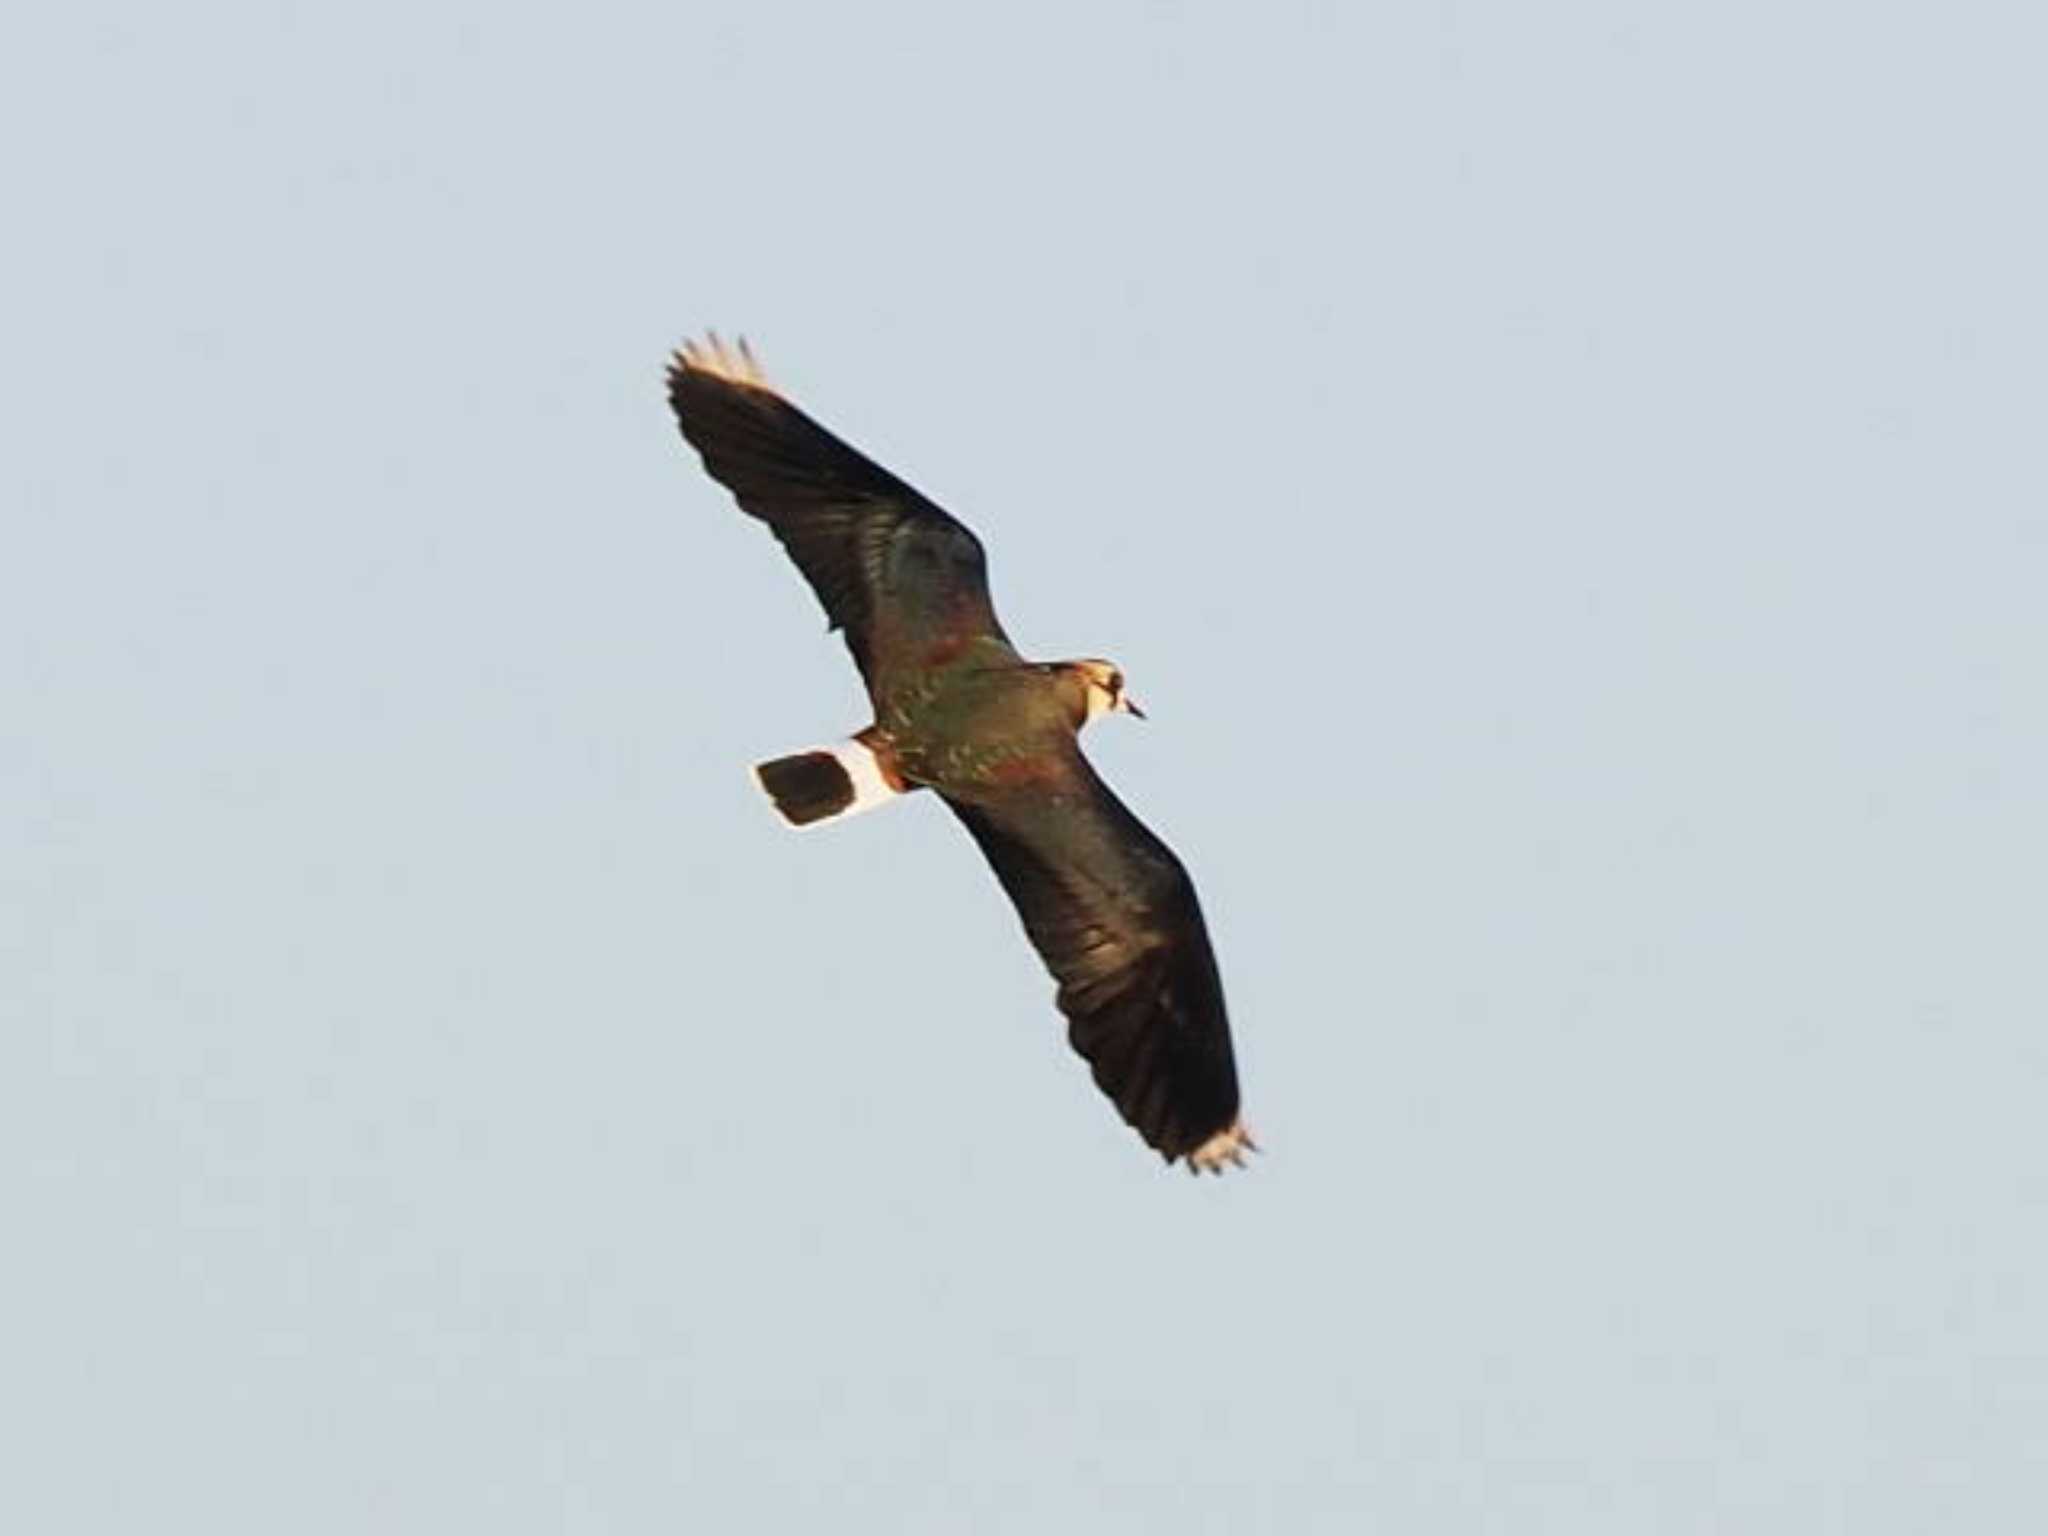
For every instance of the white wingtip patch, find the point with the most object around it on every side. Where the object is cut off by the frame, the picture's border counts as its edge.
(736, 364)
(1225, 1147)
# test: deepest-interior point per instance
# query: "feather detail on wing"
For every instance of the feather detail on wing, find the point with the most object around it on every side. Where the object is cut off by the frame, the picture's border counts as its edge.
(1113, 914)
(906, 582)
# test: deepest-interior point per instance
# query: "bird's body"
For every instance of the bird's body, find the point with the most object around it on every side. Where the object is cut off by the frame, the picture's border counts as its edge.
(958, 711)
(983, 726)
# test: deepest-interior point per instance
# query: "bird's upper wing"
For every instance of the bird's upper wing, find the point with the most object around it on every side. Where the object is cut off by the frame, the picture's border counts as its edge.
(1114, 916)
(906, 582)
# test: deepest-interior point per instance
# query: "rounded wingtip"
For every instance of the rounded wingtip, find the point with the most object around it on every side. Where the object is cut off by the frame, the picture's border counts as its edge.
(1225, 1149)
(712, 358)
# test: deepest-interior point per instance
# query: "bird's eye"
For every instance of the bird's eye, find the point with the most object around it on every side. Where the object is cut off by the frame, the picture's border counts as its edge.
(1116, 682)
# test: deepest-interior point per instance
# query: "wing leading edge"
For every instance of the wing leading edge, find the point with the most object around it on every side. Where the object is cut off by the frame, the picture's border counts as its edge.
(1113, 914)
(904, 580)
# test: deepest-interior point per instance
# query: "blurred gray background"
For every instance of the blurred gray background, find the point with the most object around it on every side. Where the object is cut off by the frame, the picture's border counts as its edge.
(1568, 483)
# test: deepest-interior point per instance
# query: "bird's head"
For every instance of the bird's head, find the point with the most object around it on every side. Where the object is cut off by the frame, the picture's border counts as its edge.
(1103, 685)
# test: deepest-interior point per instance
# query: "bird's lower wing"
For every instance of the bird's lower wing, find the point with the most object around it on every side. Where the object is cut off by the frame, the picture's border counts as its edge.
(1114, 916)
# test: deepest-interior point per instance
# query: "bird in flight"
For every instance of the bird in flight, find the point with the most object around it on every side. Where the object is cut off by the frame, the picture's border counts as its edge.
(1106, 904)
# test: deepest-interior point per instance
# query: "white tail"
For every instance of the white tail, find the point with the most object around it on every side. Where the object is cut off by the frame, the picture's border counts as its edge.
(826, 783)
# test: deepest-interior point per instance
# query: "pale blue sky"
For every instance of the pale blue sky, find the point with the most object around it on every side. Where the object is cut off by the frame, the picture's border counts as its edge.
(1567, 482)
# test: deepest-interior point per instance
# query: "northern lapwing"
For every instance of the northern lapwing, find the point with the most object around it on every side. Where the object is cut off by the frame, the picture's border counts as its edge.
(957, 711)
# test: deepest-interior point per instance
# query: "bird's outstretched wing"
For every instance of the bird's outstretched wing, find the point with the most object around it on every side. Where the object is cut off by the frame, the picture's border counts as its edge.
(1114, 916)
(906, 582)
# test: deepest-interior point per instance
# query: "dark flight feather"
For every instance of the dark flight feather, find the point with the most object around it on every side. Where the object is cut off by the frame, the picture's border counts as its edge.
(904, 580)
(1113, 914)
